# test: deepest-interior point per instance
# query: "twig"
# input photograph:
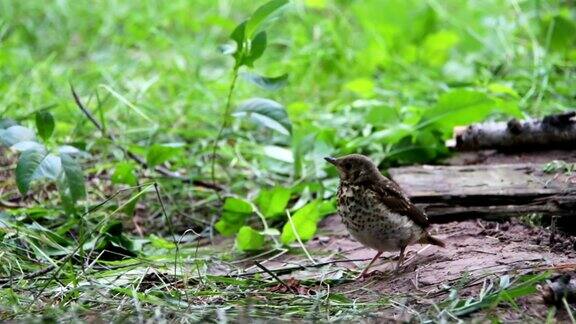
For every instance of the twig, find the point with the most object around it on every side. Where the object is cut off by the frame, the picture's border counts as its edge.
(299, 267)
(170, 227)
(163, 171)
(259, 265)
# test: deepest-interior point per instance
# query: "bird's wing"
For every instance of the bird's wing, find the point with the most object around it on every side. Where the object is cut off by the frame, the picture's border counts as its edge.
(392, 196)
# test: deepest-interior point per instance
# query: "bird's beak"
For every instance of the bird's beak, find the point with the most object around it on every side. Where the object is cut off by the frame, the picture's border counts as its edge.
(331, 160)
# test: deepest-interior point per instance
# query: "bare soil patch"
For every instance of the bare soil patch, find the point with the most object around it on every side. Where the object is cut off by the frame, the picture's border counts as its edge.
(477, 252)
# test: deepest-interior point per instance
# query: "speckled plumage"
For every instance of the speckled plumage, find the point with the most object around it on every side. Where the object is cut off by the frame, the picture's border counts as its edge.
(371, 222)
(375, 210)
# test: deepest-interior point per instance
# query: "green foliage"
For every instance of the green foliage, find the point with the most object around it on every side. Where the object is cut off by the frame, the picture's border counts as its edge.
(304, 221)
(36, 162)
(160, 153)
(124, 173)
(249, 239)
(234, 215)
(273, 202)
(267, 113)
(268, 83)
(28, 169)
(44, 124)
(384, 78)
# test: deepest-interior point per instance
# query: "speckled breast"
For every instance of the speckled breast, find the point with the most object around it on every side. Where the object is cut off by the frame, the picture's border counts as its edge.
(371, 222)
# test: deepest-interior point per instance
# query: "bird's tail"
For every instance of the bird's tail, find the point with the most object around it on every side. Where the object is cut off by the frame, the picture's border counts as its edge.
(429, 239)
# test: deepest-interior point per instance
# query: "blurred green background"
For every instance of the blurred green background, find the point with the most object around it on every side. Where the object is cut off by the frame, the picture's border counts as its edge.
(388, 78)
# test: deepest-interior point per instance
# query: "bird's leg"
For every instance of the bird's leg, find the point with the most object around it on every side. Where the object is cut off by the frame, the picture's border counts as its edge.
(400, 259)
(365, 272)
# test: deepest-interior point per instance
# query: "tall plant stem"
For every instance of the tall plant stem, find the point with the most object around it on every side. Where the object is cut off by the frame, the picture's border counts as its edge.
(225, 123)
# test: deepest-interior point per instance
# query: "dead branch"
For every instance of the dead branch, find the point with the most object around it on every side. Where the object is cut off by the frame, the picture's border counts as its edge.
(553, 131)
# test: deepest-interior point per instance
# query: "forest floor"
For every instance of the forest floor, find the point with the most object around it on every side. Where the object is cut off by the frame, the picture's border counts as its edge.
(481, 258)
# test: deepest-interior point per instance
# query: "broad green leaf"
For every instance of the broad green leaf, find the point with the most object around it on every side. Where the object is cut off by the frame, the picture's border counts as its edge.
(27, 166)
(234, 215)
(381, 115)
(73, 177)
(257, 48)
(50, 168)
(124, 174)
(44, 124)
(305, 222)
(273, 83)
(239, 36)
(458, 107)
(273, 202)
(260, 15)
(279, 153)
(248, 239)
(561, 32)
(267, 113)
(6, 122)
(27, 145)
(160, 153)
(15, 134)
(161, 243)
(237, 205)
(326, 207)
(68, 149)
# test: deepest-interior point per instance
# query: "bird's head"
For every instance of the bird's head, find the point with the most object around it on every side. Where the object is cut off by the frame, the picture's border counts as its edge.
(354, 168)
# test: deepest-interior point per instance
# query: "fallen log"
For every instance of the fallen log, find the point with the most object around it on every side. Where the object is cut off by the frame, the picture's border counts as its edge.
(489, 191)
(553, 131)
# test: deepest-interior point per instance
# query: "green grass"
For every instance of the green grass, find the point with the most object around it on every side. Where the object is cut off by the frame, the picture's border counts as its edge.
(385, 78)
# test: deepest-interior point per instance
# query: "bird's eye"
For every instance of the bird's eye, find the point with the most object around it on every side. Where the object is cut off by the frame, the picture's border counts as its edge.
(347, 165)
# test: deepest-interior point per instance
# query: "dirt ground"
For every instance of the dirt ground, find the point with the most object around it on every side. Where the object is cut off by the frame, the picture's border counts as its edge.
(475, 250)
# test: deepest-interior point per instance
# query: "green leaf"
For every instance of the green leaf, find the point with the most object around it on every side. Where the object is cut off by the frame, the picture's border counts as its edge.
(257, 48)
(249, 239)
(50, 168)
(273, 202)
(161, 243)
(27, 145)
(381, 115)
(234, 215)
(44, 124)
(124, 174)
(73, 177)
(28, 165)
(562, 33)
(305, 222)
(267, 113)
(6, 122)
(239, 36)
(15, 134)
(160, 153)
(260, 15)
(458, 107)
(237, 205)
(268, 83)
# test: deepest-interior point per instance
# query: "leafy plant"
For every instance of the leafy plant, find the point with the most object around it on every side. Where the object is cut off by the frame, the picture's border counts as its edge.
(250, 44)
(41, 162)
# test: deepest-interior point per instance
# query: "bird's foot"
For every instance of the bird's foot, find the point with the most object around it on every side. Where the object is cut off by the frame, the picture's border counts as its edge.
(367, 275)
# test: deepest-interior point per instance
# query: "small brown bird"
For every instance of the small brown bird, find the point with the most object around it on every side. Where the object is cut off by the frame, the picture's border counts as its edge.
(376, 211)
